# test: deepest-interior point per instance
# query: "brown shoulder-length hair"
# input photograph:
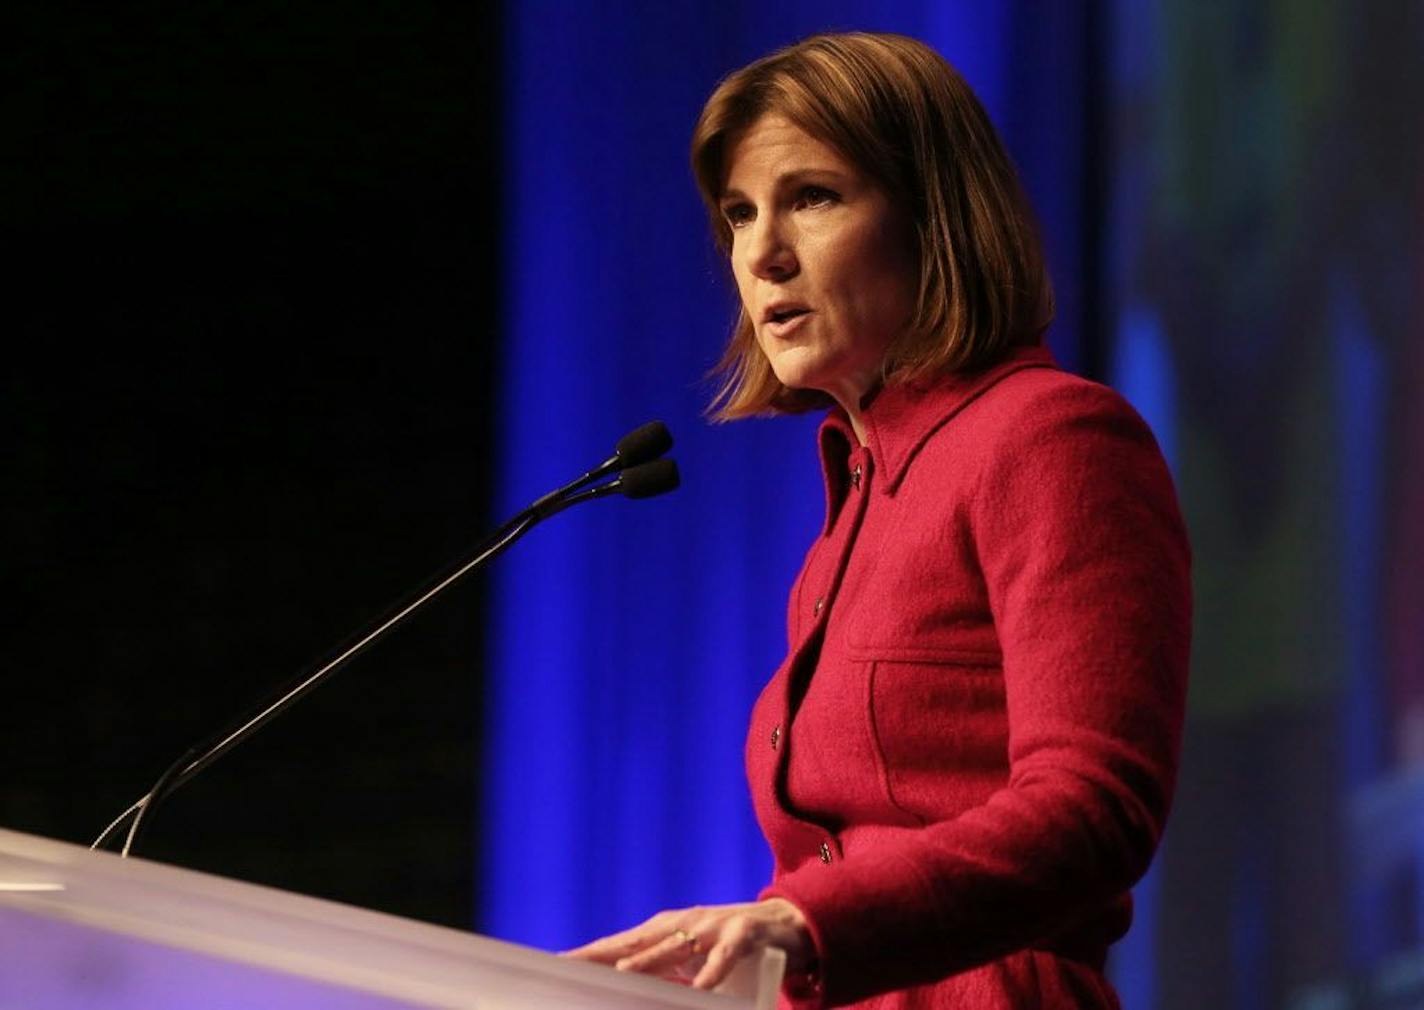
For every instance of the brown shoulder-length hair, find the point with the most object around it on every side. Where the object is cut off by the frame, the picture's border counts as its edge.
(896, 110)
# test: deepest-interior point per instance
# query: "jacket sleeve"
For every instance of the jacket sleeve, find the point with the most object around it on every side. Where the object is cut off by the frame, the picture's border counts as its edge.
(1086, 564)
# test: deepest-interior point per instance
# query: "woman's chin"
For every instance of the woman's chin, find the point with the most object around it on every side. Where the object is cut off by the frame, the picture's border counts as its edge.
(833, 382)
(794, 371)
(793, 381)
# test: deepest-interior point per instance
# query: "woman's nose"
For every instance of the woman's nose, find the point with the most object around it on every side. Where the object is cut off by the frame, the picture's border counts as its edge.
(771, 256)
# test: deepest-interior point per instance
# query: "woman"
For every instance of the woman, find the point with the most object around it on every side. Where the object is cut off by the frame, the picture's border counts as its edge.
(966, 759)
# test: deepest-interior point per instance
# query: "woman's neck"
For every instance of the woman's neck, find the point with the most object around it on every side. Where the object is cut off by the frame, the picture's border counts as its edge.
(852, 397)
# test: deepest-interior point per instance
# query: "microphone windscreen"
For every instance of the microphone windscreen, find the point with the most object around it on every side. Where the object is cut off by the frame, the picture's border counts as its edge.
(648, 479)
(645, 443)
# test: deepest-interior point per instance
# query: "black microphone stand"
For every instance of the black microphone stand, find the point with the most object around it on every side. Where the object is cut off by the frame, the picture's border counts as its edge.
(640, 475)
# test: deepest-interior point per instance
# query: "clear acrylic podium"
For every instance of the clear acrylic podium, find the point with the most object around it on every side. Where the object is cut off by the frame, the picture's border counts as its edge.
(81, 929)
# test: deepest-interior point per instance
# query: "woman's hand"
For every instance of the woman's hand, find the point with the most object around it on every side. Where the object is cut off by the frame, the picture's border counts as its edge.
(705, 942)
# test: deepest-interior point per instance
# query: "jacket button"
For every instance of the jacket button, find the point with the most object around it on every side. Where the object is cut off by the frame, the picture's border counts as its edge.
(775, 735)
(820, 605)
(855, 476)
(825, 852)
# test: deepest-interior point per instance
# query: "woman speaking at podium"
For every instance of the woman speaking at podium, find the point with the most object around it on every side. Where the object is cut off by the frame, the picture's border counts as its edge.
(967, 757)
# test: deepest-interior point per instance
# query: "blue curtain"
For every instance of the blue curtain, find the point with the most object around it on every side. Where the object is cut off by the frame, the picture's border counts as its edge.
(629, 639)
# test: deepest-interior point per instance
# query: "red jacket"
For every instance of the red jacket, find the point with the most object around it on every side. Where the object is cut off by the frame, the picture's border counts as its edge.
(997, 616)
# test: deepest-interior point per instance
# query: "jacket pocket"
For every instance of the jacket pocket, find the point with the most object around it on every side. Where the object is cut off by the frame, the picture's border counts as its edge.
(940, 732)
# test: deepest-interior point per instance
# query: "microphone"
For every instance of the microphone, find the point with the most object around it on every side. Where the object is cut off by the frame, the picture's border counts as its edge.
(640, 474)
(649, 479)
(645, 480)
(643, 444)
(639, 446)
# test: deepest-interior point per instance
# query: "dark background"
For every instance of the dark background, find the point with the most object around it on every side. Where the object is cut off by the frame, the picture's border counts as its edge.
(247, 406)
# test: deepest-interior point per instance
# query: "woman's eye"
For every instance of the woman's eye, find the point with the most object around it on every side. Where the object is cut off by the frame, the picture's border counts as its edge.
(817, 196)
(737, 214)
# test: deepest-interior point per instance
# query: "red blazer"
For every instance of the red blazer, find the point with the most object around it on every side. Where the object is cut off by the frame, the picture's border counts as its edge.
(997, 617)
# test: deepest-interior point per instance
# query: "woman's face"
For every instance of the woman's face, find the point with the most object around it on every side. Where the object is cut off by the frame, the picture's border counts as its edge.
(824, 262)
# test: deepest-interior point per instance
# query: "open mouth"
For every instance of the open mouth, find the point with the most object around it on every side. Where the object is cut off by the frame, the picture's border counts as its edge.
(783, 315)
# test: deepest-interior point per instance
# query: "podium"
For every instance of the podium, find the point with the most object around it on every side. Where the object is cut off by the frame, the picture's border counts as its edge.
(82, 929)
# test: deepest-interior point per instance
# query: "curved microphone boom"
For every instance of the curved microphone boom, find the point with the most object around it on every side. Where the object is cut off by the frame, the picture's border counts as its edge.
(640, 473)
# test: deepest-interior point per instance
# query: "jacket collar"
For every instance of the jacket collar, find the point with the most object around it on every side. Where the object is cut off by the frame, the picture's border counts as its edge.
(900, 419)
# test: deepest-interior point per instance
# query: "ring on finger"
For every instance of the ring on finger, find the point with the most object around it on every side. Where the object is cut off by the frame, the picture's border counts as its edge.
(693, 944)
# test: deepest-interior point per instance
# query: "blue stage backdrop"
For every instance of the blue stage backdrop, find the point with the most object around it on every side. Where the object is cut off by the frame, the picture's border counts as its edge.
(630, 638)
